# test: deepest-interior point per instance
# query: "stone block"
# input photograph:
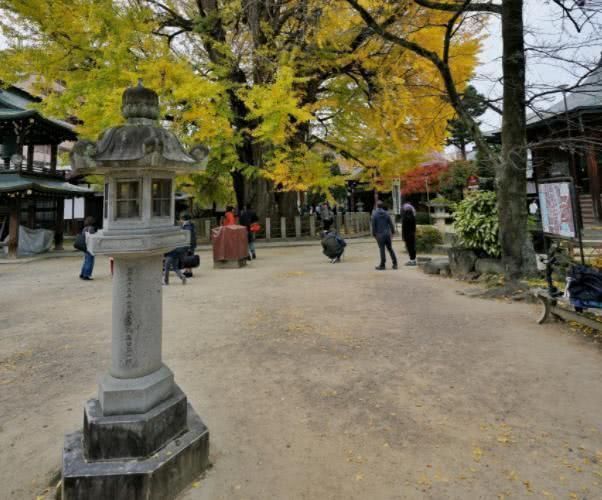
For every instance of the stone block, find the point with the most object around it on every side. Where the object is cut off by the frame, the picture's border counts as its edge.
(123, 396)
(489, 266)
(436, 266)
(161, 476)
(135, 435)
(461, 261)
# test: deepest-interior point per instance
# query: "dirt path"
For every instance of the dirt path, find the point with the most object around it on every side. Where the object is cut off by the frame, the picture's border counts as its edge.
(318, 381)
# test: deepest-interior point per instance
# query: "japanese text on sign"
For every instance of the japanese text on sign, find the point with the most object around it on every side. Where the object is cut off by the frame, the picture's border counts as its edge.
(556, 207)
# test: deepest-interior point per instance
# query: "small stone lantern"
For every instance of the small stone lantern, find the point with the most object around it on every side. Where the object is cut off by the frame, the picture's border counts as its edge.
(128, 445)
(440, 214)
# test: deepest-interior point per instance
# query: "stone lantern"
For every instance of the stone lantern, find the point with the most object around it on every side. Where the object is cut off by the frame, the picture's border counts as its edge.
(141, 439)
(440, 214)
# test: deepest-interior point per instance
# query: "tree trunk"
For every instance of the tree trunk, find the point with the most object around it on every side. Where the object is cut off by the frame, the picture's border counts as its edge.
(259, 193)
(511, 172)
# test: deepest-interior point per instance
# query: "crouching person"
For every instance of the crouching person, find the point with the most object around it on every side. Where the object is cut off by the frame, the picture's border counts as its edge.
(333, 246)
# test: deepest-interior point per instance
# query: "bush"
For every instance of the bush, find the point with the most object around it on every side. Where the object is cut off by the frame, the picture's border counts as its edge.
(426, 238)
(477, 224)
(422, 218)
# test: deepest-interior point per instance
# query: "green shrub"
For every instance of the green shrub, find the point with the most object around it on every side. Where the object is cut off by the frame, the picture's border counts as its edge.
(426, 238)
(477, 224)
(423, 218)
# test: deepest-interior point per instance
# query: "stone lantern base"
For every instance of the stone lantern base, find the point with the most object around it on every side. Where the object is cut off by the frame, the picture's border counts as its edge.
(152, 455)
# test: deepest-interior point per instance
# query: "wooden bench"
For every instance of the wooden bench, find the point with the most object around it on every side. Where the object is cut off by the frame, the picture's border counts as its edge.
(558, 308)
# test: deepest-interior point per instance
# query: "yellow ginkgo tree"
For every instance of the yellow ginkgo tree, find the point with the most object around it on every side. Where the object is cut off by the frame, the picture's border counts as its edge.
(270, 87)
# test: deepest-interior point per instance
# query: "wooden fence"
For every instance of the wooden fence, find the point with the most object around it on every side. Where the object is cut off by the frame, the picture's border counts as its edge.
(296, 228)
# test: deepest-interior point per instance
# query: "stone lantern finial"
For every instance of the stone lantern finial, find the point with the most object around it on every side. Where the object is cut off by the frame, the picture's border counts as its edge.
(139, 102)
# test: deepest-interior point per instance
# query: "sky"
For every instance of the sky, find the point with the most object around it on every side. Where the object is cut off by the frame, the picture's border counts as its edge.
(546, 28)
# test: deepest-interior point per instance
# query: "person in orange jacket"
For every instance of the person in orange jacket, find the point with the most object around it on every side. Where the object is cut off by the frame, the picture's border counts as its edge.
(229, 217)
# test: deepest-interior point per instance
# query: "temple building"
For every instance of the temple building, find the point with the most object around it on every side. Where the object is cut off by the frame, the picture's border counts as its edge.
(566, 140)
(32, 188)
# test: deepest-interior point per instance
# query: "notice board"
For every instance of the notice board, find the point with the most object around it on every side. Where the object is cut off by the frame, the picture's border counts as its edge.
(557, 208)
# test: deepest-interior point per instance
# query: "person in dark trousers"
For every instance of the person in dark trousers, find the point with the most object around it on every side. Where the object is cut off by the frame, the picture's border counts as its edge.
(248, 217)
(88, 264)
(188, 225)
(382, 230)
(172, 261)
(333, 246)
(408, 231)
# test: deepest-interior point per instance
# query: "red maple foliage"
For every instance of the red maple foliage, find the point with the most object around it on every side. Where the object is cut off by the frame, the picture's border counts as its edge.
(415, 180)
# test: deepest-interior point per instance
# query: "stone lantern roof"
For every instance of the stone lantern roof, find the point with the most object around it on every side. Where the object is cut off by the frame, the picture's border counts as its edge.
(139, 143)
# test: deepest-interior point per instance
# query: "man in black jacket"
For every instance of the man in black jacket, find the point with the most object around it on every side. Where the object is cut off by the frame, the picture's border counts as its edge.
(382, 230)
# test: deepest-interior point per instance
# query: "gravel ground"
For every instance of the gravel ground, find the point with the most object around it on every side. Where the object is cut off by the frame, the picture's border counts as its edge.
(317, 381)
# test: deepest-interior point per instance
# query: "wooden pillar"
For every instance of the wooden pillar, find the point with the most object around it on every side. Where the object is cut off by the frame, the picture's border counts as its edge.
(30, 152)
(31, 214)
(13, 227)
(59, 228)
(53, 157)
(593, 172)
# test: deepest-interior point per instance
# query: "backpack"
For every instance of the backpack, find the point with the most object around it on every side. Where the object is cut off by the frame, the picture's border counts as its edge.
(80, 242)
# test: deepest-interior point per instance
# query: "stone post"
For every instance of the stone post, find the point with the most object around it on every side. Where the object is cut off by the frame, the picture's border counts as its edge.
(339, 221)
(208, 229)
(297, 227)
(357, 222)
(312, 225)
(283, 227)
(268, 229)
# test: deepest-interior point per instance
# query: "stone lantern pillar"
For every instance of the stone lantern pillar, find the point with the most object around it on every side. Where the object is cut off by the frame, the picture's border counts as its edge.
(141, 439)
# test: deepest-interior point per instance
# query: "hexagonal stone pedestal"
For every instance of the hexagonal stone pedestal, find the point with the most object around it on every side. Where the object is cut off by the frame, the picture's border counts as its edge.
(159, 476)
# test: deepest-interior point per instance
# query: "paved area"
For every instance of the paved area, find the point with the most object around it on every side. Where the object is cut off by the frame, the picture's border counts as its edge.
(317, 381)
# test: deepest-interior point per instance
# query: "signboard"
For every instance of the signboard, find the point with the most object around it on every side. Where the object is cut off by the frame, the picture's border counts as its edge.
(557, 210)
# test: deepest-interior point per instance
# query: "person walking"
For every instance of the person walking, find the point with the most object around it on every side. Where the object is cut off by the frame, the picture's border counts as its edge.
(408, 231)
(382, 230)
(248, 217)
(188, 225)
(172, 261)
(88, 264)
